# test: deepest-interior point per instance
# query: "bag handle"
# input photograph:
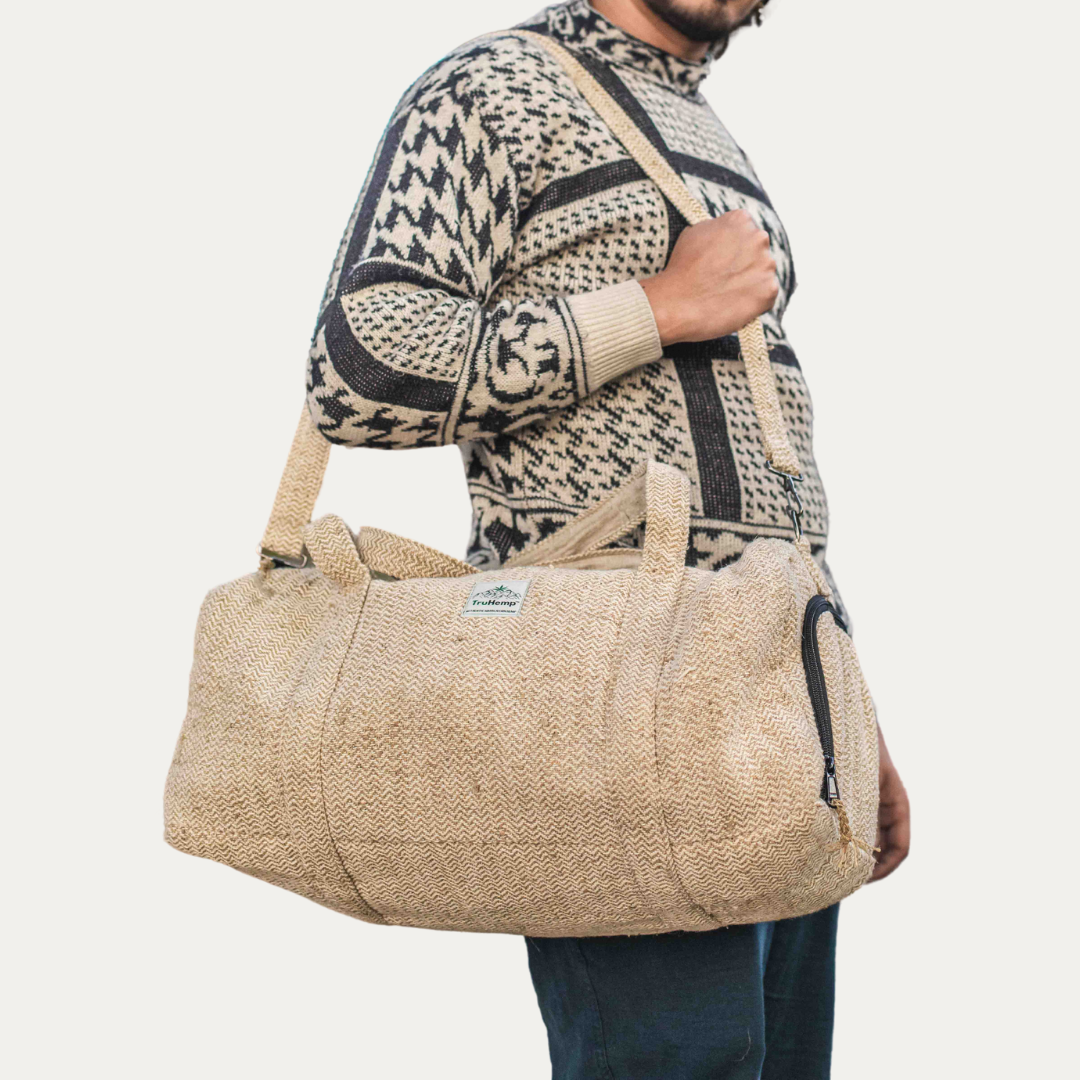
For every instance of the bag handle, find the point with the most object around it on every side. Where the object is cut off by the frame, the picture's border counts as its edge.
(283, 542)
(658, 495)
(393, 556)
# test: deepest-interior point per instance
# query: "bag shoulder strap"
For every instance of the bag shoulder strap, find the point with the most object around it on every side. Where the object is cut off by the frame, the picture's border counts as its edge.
(294, 504)
(778, 449)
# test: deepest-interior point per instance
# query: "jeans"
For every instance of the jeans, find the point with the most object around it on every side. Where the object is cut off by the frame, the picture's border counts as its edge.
(742, 1003)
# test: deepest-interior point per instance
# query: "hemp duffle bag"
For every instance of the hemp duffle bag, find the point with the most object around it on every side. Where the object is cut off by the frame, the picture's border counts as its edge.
(589, 740)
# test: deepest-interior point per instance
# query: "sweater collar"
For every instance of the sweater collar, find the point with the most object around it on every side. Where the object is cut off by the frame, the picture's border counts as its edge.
(575, 24)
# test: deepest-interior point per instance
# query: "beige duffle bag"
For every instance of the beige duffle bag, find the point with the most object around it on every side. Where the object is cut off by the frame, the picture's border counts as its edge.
(588, 740)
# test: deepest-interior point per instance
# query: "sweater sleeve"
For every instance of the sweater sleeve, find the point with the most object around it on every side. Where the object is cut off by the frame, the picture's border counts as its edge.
(409, 349)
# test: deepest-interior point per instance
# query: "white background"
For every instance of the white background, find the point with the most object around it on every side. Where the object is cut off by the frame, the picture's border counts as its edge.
(175, 183)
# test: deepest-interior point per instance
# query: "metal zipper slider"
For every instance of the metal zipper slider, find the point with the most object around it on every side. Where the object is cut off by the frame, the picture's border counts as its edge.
(832, 785)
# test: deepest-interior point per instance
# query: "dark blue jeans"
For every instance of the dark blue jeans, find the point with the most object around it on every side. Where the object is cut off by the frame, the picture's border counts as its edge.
(743, 1003)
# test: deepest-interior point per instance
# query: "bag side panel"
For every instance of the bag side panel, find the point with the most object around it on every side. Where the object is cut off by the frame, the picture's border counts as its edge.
(257, 639)
(739, 752)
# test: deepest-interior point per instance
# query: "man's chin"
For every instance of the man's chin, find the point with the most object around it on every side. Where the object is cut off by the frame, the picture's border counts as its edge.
(711, 24)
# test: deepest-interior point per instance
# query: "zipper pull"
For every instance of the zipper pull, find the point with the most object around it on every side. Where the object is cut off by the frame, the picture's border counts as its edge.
(832, 785)
(832, 789)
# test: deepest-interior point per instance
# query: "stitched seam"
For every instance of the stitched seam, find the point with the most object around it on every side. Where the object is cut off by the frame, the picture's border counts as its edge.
(599, 1014)
(665, 824)
(322, 757)
(310, 875)
(629, 862)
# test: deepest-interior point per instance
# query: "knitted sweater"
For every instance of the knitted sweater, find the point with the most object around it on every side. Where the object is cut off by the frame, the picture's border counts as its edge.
(485, 293)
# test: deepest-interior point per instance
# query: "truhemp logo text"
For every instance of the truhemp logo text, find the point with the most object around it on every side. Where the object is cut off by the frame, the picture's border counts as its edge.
(496, 598)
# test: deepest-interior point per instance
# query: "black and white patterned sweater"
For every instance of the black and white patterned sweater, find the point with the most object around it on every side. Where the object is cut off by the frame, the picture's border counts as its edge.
(485, 294)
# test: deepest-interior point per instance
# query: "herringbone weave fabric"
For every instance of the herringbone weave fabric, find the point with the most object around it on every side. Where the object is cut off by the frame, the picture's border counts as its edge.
(635, 751)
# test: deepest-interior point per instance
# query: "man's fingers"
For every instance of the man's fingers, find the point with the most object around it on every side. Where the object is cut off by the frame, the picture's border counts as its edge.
(894, 833)
(889, 859)
(894, 816)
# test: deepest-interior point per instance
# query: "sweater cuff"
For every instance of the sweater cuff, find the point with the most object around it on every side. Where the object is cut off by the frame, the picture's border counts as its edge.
(617, 329)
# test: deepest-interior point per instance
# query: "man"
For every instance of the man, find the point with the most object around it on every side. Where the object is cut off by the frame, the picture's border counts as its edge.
(511, 282)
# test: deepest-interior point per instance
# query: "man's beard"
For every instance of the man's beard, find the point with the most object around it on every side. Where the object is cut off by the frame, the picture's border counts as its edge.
(714, 23)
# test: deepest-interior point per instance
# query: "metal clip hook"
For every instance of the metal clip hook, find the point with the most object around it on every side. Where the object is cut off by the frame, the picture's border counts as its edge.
(290, 561)
(795, 503)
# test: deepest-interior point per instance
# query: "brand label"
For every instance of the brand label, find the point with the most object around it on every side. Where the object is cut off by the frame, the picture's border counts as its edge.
(496, 598)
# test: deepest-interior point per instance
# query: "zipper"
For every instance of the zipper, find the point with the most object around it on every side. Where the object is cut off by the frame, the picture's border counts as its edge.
(815, 685)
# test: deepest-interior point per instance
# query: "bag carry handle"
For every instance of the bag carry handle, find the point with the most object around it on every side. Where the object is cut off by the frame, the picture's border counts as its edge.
(658, 495)
(283, 541)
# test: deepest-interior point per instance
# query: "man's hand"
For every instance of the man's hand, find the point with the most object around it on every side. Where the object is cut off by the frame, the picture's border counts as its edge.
(894, 816)
(719, 277)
